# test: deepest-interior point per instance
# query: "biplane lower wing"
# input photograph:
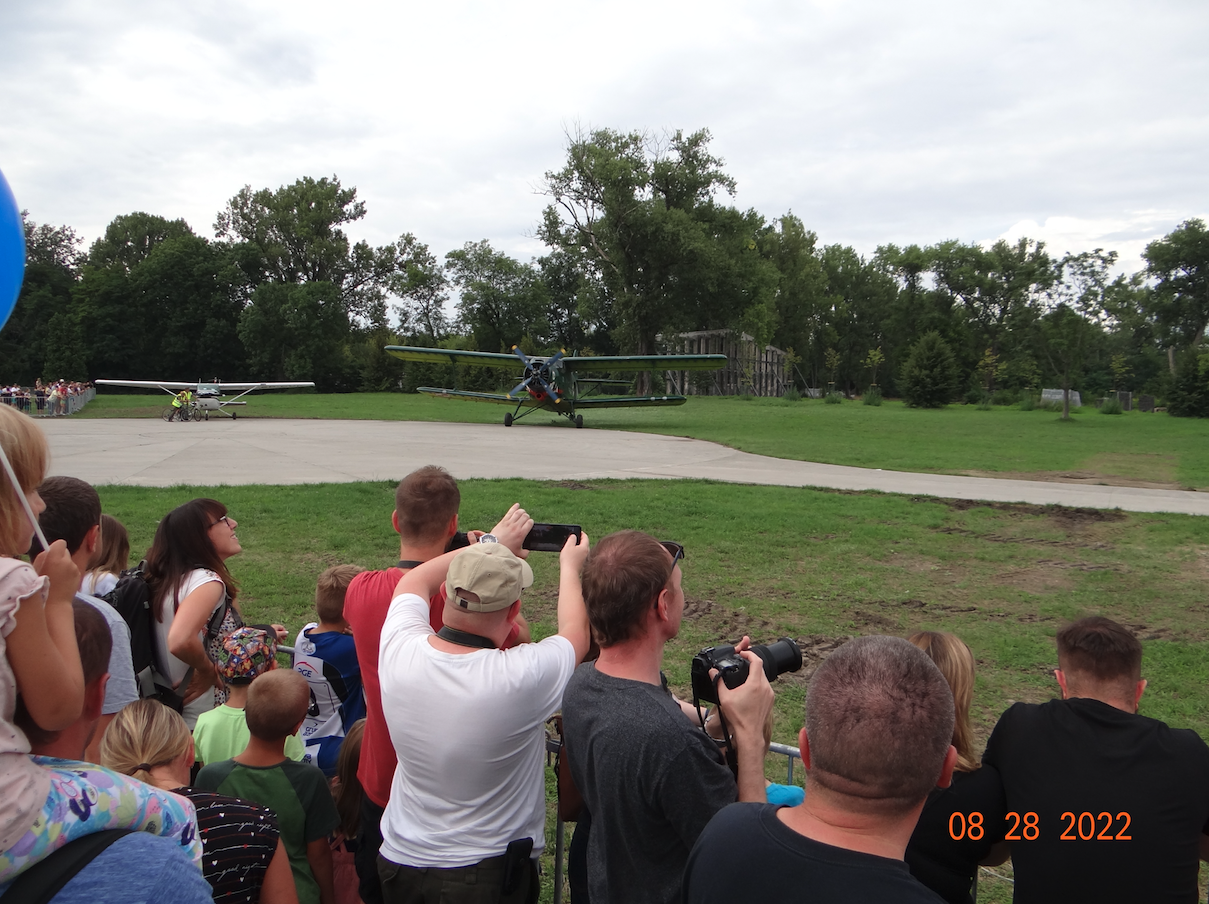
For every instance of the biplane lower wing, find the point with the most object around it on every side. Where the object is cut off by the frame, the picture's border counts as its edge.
(525, 401)
(629, 401)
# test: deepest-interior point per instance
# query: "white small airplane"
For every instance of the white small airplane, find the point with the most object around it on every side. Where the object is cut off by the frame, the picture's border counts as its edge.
(207, 397)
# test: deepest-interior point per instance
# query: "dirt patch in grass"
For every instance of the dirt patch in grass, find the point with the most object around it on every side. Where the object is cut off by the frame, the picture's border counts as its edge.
(1036, 580)
(1063, 514)
(1087, 477)
(573, 485)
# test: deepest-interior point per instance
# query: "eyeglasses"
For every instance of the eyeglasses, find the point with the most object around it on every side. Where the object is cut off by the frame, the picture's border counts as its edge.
(223, 520)
(676, 550)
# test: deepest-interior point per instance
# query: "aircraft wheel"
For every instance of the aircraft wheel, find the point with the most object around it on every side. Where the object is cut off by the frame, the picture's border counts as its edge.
(166, 414)
(508, 419)
(579, 421)
(234, 414)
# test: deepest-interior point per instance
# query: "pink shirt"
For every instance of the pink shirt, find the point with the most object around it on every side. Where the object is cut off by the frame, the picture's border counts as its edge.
(24, 786)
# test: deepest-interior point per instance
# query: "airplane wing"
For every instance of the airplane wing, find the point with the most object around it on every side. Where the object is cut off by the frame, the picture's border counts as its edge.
(166, 385)
(454, 356)
(524, 399)
(629, 401)
(248, 387)
(646, 362)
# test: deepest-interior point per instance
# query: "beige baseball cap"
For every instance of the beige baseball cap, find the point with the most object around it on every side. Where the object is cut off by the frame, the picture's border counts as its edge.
(492, 573)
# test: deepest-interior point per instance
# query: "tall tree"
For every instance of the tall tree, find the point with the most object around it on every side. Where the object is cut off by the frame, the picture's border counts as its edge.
(1179, 264)
(500, 300)
(52, 264)
(642, 212)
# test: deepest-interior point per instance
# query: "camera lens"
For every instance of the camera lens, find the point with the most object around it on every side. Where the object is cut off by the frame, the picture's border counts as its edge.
(782, 656)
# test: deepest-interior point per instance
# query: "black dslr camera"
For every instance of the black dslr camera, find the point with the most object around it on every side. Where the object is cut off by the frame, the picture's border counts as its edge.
(782, 656)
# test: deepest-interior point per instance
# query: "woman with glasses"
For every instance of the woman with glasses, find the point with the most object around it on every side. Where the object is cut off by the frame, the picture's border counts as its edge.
(193, 599)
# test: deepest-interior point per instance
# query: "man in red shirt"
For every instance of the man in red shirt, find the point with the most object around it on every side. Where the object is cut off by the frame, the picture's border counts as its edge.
(426, 519)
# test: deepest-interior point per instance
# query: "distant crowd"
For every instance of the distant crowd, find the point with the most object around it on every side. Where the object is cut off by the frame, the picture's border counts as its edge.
(60, 397)
(152, 750)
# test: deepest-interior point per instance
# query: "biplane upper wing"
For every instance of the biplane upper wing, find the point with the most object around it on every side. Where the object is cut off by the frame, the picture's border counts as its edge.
(453, 356)
(525, 400)
(646, 362)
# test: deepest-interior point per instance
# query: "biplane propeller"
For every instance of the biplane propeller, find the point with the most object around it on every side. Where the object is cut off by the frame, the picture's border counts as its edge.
(554, 382)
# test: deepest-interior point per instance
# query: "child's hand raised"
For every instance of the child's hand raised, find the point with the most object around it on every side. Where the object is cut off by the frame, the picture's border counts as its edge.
(57, 565)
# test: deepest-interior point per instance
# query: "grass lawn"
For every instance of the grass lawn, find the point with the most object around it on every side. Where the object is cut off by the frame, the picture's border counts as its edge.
(818, 566)
(960, 439)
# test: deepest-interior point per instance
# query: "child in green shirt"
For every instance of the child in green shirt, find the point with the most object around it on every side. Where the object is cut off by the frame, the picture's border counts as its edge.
(222, 733)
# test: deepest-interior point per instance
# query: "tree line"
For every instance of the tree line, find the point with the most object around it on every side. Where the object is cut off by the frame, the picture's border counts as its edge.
(643, 244)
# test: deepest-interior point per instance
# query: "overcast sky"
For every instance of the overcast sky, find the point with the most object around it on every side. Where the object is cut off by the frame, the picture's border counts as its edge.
(1081, 123)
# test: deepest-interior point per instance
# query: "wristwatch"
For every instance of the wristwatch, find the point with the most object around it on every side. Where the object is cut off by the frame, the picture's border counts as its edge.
(489, 538)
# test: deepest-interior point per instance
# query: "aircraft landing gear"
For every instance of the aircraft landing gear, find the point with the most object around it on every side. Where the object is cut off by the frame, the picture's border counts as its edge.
(579, 421)
(508, 419)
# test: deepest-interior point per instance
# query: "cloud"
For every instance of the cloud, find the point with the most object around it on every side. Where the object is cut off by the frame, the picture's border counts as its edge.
(874, 122)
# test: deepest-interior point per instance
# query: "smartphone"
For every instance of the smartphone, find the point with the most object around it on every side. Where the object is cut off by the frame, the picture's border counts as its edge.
(550, 537)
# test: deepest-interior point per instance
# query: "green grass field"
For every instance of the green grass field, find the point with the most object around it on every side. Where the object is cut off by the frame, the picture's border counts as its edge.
(959, 439)
(818, 566)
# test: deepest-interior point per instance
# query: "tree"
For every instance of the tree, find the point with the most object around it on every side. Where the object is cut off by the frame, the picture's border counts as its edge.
(999, 288)
(1064, 332)
(1179, 262)
(873, 360)
(641, 213)
(52, 264)
(157, 299)
(501, 301)
(423, 288)
(929, 377)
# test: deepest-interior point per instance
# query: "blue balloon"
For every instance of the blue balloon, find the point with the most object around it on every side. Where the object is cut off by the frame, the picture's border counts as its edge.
(12, 251)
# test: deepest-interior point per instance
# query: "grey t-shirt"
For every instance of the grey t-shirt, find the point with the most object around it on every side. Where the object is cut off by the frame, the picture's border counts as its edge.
(650, 779)
(121, 690)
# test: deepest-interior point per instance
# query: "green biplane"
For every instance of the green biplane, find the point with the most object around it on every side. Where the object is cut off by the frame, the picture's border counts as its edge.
(555, 383)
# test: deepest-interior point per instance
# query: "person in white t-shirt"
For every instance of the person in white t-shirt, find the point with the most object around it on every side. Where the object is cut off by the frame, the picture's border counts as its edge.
(467, 803)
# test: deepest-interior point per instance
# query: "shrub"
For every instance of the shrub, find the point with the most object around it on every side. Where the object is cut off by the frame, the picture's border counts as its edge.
(929, 377)
(1111, 405)
(985, 403)
(1028, 403)
(873, 396)
(1005, 397)
(834, 398)
(745, 397)
(792, 395)
(974, 395)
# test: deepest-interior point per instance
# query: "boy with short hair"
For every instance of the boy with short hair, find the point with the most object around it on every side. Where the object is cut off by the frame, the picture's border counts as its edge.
(326, 656)
(298, 792)
(221, 733)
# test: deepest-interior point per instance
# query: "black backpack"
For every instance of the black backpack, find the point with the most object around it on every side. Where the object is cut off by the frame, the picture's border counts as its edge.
(132, 599)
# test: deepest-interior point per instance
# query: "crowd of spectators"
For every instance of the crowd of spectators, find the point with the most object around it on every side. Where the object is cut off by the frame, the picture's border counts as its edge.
(400, 758)
(59, 397)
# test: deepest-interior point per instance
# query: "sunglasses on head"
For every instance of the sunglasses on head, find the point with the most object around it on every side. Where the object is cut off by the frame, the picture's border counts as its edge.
(675, 550)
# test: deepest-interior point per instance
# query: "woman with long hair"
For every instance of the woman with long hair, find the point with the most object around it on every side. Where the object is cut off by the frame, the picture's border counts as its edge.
(110, 559)
(950, 841)
(243, 857)
(193, 598)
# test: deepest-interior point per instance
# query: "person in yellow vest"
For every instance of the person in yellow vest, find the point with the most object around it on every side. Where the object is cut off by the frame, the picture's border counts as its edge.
(180, 401)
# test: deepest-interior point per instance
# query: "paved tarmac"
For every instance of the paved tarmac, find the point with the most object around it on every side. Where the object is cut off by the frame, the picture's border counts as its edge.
(144, 452)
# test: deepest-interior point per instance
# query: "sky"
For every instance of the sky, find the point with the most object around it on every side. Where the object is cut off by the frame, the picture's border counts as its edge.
(1083, 124)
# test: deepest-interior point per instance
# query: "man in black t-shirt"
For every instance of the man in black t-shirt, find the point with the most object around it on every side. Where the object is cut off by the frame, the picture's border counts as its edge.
(879, 727)
(1103, 804)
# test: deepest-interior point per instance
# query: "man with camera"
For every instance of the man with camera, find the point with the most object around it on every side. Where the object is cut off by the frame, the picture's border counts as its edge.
(879, 726)
(650, 778)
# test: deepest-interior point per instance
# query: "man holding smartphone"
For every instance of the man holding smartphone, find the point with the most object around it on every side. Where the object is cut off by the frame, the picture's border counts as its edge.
(426, 519)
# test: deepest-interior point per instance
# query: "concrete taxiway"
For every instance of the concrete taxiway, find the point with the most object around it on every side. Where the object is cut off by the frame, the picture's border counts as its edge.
(148, 452)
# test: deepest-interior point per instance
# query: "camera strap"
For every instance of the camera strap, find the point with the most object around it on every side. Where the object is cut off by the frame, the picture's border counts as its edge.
(465, 638)
(408, 563)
